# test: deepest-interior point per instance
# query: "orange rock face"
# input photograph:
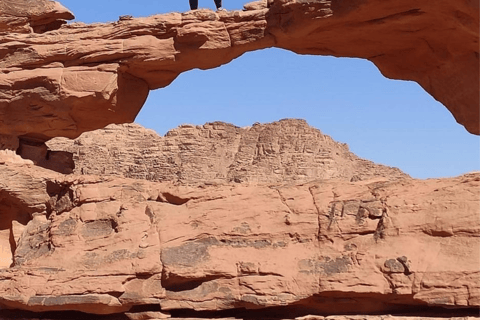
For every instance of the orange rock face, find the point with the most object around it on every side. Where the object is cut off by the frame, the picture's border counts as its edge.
(83, 77)
(26, 16)
(284, 151)
(104, 244)
(246, 242)
(273, 221)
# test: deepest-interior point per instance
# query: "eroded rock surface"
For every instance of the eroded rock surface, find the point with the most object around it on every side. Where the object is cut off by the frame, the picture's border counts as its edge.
(83, 77)
(104, 244)
(285, 151)
(26, 16)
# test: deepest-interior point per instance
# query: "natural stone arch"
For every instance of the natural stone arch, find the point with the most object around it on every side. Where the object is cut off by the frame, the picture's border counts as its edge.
(84, 77)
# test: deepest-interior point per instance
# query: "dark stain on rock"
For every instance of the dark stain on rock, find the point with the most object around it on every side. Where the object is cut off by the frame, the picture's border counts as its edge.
(66, 228)
(94, 260)
(258, 244)
(187, 255)
(325, 265)
(63, 300)
(362, 214)
(98, 228)
(380, 231)
(243, 243)
(61, 197)
(118, 255)
(394, 266)
(339, 265)
(250, 299)
(35, 243)
(406, 264)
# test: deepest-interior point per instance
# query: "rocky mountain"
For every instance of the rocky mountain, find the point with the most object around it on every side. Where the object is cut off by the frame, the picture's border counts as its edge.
(280, 152)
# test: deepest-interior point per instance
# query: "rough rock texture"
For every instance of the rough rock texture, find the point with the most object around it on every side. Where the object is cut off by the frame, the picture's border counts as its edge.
(284, 151)
(26, 16)
(239, 230)
(83, 77)
(104, 244)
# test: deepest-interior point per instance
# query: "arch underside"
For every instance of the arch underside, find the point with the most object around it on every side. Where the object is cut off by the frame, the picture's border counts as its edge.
(83, 77)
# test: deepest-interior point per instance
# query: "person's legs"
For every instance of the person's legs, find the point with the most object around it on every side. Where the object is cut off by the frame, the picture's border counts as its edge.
(194, 4)
(218, 3)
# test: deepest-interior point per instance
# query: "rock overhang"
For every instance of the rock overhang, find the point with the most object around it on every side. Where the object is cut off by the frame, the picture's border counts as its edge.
(81, 77)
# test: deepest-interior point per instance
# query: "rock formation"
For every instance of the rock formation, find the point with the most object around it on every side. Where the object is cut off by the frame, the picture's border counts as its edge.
(274, 221)
(246, 243)
(103, 245)
(284, 151)
(63, 81)
(26, 16)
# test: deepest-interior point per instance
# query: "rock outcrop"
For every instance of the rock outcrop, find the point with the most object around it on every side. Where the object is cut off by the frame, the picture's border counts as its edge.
(285, 151)
(79, 77)
(27, 16)
(274, 221)
(103, 245)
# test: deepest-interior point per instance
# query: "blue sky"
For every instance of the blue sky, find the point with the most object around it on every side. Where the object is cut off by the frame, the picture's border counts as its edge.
(387, 121)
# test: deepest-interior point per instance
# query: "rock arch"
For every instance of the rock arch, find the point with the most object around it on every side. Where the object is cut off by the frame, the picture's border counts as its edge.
(80, 77)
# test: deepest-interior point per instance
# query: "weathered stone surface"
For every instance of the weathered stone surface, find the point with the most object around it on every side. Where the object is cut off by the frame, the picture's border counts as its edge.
(83, 77)
(25, 16)
(237, 229)
(104, 244)
(285, 151)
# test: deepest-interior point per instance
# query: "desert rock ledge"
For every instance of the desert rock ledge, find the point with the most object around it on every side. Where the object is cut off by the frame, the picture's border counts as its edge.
(63, 81)
(103, 245)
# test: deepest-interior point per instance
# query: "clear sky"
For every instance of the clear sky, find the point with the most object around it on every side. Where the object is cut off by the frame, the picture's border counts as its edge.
(387, 121)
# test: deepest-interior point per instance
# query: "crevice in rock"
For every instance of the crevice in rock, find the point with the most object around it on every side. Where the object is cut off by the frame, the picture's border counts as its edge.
(99, 228)
(175, 283)
(167, 197)
(381, 227)
(409, 13)
(35, 149)
(284, 201)
(336, 305)
(61, 197)
(319, 235)
(13, 245)
(439, 233)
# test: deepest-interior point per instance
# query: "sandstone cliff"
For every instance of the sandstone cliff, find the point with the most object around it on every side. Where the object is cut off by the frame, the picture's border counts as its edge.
(80, 77)
(248, 244)
(283, 151)
(103, 245)
(275, 221)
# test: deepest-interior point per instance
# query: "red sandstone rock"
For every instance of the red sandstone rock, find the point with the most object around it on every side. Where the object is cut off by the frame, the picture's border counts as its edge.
(381, 243)
(25, 16)
(104, 244)
(84, 77)
(284, 151)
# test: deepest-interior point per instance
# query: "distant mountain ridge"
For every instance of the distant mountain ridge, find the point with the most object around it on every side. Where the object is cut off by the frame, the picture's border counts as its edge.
(288, 150)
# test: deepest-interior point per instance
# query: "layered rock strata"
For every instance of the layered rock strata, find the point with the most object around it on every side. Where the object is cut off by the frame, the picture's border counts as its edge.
(83, 77)
(27, 16)
(285, 151)
(103, 245)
